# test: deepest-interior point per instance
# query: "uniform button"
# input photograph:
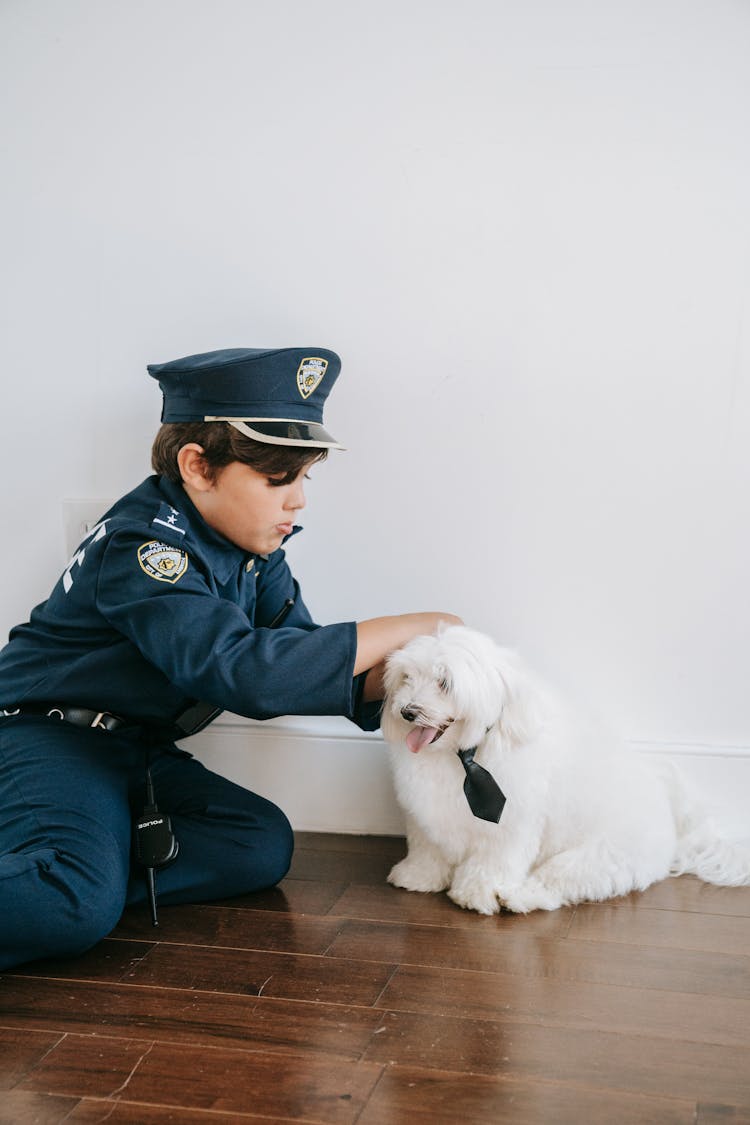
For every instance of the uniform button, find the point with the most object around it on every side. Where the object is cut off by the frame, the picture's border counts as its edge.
(249, 565)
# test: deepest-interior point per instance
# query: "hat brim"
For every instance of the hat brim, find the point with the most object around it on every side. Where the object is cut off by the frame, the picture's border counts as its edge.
(282, 431)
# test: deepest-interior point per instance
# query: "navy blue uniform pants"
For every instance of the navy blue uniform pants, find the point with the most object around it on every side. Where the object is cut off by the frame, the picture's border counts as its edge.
(67, 798)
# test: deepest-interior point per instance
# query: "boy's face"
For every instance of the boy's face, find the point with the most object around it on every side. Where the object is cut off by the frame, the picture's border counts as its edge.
(250, 509)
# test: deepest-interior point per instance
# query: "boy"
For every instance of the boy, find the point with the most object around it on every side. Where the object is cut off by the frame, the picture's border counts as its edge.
(177, 605)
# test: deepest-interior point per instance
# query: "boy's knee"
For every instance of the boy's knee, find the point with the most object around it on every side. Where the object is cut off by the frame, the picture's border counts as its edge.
(57, 907)
(271, 855)
(281, 850)
(84, 926)
(272, 843)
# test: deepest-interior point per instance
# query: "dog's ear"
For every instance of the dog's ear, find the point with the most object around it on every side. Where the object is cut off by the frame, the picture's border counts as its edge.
(393, 673)
(520, 717)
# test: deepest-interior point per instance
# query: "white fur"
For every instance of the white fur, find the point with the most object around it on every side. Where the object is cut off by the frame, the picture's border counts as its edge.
(585, 819)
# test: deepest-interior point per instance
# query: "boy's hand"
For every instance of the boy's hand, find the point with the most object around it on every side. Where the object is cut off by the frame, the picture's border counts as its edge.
(379, 636)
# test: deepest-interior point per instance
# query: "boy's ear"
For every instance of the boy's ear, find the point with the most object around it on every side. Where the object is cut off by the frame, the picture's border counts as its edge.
(193, 468)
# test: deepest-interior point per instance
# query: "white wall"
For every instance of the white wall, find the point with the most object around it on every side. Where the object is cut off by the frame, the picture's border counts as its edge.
(525, 228)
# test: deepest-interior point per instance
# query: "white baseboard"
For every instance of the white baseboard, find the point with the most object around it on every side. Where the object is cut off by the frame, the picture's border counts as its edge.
(329, 776)
(719, 774)
(326, 774)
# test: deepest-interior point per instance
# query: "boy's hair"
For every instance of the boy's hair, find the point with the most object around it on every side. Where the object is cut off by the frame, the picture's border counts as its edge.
(222, 444)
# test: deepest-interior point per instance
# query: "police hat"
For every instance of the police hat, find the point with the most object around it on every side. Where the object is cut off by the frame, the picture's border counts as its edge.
(274, 395)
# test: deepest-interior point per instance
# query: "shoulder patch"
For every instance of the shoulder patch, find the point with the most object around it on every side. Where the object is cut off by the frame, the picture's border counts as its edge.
(162, 561)
(169, 517)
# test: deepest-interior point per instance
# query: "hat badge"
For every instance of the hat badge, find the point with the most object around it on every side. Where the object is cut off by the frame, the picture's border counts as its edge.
(310, 373)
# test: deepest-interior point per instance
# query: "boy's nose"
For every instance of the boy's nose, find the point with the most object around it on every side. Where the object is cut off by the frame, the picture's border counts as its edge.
(296, 498)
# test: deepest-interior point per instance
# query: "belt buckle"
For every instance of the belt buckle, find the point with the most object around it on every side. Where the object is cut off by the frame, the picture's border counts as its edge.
(97, 721)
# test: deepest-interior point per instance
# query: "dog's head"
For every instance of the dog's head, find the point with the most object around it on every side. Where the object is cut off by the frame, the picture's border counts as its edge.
(445, 691)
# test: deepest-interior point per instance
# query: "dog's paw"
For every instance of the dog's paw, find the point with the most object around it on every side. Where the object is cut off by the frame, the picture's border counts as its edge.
(419, 874)
(485, 903)
(474, 893)
(531, 895)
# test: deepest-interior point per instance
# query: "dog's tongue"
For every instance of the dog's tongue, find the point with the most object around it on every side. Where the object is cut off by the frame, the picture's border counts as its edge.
(419, 737)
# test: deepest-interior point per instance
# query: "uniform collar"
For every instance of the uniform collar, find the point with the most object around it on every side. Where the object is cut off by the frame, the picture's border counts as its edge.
(223, 556)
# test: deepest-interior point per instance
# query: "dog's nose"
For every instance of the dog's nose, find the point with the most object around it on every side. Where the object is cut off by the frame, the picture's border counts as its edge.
(408, 715)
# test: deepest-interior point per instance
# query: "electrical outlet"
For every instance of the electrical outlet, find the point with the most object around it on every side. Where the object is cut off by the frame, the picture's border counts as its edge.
(79, 516)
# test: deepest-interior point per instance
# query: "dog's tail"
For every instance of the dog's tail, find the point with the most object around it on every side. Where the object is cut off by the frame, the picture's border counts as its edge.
(715, 860)
(701, 849)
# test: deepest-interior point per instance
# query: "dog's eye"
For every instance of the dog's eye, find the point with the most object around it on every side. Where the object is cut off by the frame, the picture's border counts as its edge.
(443, 684)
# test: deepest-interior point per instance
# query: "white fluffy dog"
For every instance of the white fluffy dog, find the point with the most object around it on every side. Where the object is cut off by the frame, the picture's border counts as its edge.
(584, 818)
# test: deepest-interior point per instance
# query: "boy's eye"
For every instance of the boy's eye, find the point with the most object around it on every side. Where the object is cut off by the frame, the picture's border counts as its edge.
(275, 480)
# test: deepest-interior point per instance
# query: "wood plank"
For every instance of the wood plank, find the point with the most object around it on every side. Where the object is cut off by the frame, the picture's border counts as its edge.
(89, 1111)
(571, 1004)
(467, 927)
(226, 926)
(496, 942)
(21, 1049)
(302, 1087)
(107, 961)
(689, 893)
(24, 1107)
(624, 923)
(407, 1094)
(393, 846)
(292, 1087)
(176, 1016)
(386, 903)
(292, 896)
(87, 1065)
(721, 1114)
(516, 952)
(340, 866)
(668, 1068)
(288, 975)
(301, 1027)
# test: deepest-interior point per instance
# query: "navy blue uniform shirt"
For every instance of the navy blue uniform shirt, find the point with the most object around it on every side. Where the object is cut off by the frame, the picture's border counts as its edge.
(156, 611)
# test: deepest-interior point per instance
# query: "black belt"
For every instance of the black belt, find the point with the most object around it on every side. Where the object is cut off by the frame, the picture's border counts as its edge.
(194, 719)
(78, 716)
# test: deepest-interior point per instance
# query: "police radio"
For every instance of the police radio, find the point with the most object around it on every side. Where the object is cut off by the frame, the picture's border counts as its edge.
(154, 842)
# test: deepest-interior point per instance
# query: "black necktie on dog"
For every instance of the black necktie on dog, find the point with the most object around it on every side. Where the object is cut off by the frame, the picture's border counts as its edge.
(486, 798)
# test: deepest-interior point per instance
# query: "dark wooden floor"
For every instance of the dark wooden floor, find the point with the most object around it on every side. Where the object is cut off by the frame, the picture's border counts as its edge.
(338, 999)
